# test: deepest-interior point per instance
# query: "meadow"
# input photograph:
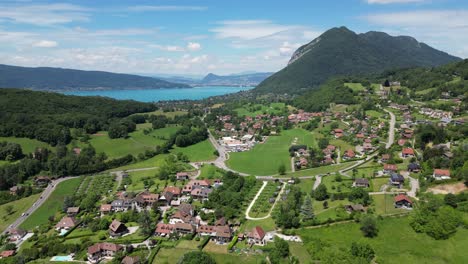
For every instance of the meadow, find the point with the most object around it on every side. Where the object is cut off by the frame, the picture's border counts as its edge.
(27, 145)
(262, 205)
(265, 158)
(202, 151)
(19, 206)
(355, 86)
(259, 109)
(320, 170)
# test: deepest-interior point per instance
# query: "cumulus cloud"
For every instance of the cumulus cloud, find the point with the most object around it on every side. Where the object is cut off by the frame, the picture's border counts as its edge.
(46, 44)
(193, 46)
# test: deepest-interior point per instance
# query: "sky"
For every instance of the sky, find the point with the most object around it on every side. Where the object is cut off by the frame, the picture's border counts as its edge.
(196, 37)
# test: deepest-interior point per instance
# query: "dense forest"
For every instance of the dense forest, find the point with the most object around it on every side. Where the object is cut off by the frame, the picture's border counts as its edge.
(48, 117)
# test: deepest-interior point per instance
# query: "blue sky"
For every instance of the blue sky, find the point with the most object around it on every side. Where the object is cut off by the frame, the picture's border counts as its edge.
(195, 37)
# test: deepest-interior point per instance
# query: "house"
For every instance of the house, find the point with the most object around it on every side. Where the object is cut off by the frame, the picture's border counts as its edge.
(7, 254)
(354, 208)
(183, 228)
(73, 211)
(385, 158)
(221, 222)
(201, 193)
(401, 142)
(414, 167)
(181, 176)
(441, 174)
(223, 234)
(367, 147)
(176, 191)
(166, 198)
(407, 152)
(184, 214)
(361, 182)
(15, 189)
(15, 235)
(303, 162)
(99, 251)
(105, 208)
(146, 198)
(206, 230)
(117, 229)
(131, 260)
(256, 236)
(349, 154)
(66, 223)
(194, 184)
(402, 201)
(41, 181)
(163, 230)
(389, 168)
(121, 205)
(396, 179)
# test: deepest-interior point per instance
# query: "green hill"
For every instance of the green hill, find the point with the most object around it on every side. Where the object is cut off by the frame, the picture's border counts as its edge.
(340, 51)
(45, 78)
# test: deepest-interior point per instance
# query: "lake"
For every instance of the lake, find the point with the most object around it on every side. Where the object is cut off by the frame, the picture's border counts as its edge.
(154, 95)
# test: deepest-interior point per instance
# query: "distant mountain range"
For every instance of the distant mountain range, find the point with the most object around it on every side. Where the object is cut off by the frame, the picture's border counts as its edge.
(340, 51)
(45, 78)
(244, 79)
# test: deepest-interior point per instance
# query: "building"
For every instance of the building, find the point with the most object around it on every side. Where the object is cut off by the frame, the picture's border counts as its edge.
(223, 234)
(181, 176)
(99, 251)
(15, 189)
(441, 174)
(349, 154)
(389, 168)
(146, 198)
(385, 158)
(407, 152)
(403, 201)
(414, 167)
(105, 208)
(66, 223)
(350, 208)
(7, 254)
(73, 211)
(176, 191)
(256, 236)
(183, 228)
(15, 235)
(131, 260)
(41, 181)
(117, 229)
(396, 179)
(121, 205)
(361, 182)
(163, 230)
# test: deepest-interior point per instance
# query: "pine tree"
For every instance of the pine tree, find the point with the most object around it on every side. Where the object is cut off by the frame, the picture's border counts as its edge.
(307, 210)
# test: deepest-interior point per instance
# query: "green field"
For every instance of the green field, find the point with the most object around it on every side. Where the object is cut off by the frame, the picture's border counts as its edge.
(262, 205)
(167, 114)
(267, 225)
(209, 171)
(19, 206)
(259, 109)
(264, 159)
(155, 161)
(383, 204)
(27, 145)
(337, 187)
(52, 205)
(355, 86)
(335, 209)
(138, 178)
(320, 170)
(374, 113)
(378, 182)
(396, 242)
(343, 145)
(202, 151)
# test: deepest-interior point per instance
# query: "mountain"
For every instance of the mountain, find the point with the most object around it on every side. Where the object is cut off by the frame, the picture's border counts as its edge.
(340, 51)
(250, 79)
(45, 78)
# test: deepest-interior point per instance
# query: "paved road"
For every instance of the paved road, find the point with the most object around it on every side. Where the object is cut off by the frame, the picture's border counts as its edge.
(318, 180)
(391, 131)
(45, 194)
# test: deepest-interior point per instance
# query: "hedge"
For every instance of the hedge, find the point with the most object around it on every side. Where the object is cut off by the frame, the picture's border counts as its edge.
(204, 242)
(233, 243)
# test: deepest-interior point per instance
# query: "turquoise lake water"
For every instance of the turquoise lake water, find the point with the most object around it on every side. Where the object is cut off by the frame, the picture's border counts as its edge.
(154, 95)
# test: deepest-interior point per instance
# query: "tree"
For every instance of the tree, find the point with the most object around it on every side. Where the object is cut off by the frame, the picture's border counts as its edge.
(282, 169)
(145, 223)
(307, 210)
(362, 250)
(196, 257)
(325, 204)
(451, 199)
(323, 143)
(9, 209)
(280, 251)
(321, 192)
(369, 226)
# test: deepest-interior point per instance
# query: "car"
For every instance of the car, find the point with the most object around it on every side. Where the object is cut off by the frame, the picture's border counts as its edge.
(23, 214)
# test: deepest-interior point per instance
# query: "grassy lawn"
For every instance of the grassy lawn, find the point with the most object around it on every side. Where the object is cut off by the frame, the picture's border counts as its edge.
(320, 170)
(155, 161)
(374, 113)
(262, 205)
(267, 225)
(259, 109)
(167, 114)
(237, 258)
(396, 242)
(209, 171)
(383, 204)
(27, 145)
(306, 185)
(343, 145)
(264, 159)
(377, 183)
(337, 187)
(367, 171)
(334, 210)
(52, 205)
(19, 206)
(138, 178)
(299, 251)
(355, 86)
(202, 151)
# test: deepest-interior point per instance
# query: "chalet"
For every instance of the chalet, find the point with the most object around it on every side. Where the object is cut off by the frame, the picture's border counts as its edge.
(66, 223)
(349, 154)
(414, 167)
(367, 147)
(350, 208)
(441, 174)
(256, 236)
(389, 168)
(15, 235)
(303, 162)
(131, 260)
(206, 230)
(163, 230)
(176, 191)
(7, 254)
(166, 198)
(117, 229)
(99, 251)
(223, 234)
(121, 205)
(407, 152)
(402, 201)
(181, 176)
(73, 211)
(41, 181)
(15, 189)
(105, 208)
(183, 228)
(385, 158)
(361, 182)
(184, 214)
(396, 179)
(146, 198)
(201, 193)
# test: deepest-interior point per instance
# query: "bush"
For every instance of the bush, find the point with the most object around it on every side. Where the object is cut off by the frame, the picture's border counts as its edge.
(233, 243)
(204, 242)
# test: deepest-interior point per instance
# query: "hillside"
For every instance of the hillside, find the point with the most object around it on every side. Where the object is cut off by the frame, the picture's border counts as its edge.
(45, 78)
(340, 51)
(242, 79)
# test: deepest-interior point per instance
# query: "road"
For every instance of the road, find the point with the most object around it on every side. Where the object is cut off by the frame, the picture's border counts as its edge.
(318, 180)
(391, 130)
(247, 212)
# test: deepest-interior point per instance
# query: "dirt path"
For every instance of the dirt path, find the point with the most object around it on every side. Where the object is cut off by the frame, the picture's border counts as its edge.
(247, 211)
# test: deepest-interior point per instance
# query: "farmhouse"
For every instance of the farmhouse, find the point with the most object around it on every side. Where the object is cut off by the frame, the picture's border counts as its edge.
(146, 198)
(105, 208)
(117, 229)
(102, 250)
(349, 154)
(256, 236)
(361, 182)
(183, 228)
(441, 174)
(163, 230)
(181, 176)
(403, 201)
(121, 205)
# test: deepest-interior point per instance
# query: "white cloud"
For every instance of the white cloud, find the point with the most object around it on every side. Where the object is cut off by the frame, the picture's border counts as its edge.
(170, 48)
(150, 8)
(193, 46)
(248, 29)
(44, 15)
(384, 2)
(45, 44)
